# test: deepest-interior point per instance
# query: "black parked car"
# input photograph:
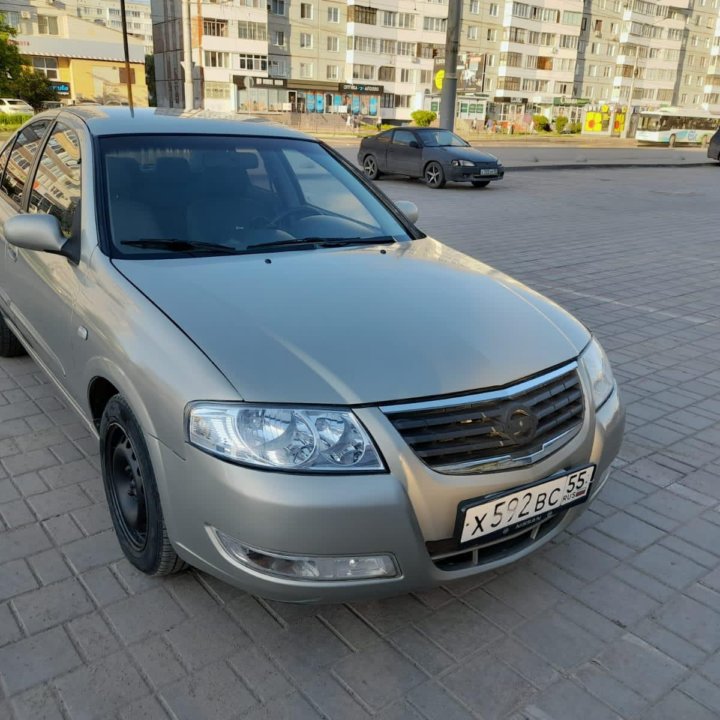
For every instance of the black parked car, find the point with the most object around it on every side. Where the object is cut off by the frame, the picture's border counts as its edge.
(431, 153)
(714, 146)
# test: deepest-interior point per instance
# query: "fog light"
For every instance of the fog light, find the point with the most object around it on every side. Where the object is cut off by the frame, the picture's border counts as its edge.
(360, 567)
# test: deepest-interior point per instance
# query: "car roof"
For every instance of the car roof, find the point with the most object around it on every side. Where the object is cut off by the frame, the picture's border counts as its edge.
(120, 120)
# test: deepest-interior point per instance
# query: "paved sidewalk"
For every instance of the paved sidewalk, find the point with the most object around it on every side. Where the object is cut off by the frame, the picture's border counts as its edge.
(617, 618)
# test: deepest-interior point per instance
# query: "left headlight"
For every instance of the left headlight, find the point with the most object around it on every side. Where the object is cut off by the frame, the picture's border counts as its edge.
(283, 438)
(597, 366)
(462, 163)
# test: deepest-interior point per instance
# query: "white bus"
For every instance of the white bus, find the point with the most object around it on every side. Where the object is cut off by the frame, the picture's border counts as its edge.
(668, 126)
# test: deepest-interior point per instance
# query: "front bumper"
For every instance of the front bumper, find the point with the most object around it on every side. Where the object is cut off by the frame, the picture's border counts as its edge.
(393, 513)
(468, 174)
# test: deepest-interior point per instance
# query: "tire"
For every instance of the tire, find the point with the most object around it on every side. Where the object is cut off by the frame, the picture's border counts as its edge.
(434, 175)
(671, 141)
(480, 183)
(370, 167)
(132, 492)
(10, 346)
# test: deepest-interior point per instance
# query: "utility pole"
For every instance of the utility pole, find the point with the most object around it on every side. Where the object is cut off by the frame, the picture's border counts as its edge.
(628, 112)
(128, 77)
(189, 91)
(449, 88)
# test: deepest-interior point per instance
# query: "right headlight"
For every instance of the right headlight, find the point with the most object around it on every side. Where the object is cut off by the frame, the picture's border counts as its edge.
(597, 366)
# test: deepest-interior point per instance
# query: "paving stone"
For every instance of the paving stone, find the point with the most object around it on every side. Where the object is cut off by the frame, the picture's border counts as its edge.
(624, 700)
(97, 690)
(581, 559)
(701, 533)
(476, 684)
(667, 566)
(617, 601)
(333, 700)
(702, 691)
(29, 484)
(93, 519)
(259, 674)
(701, 557)
(526, 593)
(492, 609)
(58, 502)
(93, 551)
(52, 604)
(213, 692)
(15, 578)
(459, 630)
(391, 614)
(8, 491)
(629, 530)
(62, 529)
(704, 482)
(435, 703)
(148, 708)
(69, 473)
(93, 637)
(15, 544)
(641, 667)
(157, 661)
(103, 586)
(36, 659)
(678, 705)
(530, 665)
(16, 513)
(345, 624)
(40, 703)
(190, 594)
(669, 643)
(563, 700)
(9, 629)
(49, 566)
(294, 707)
(422, 651)
(139, 616)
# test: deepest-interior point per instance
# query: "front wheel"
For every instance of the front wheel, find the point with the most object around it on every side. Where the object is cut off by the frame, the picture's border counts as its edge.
(370, 167)
(480, 183)
(10, 346)
(434, 175)
(132, 492)
(671, 141)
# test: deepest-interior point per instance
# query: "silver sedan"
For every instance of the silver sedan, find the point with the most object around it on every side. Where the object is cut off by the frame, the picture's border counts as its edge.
(293, 387)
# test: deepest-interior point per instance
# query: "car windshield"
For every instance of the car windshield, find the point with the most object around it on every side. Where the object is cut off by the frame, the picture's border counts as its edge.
(441, 138)
(191, 194)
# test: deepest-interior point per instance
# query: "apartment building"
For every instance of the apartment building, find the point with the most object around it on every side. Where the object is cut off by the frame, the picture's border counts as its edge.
(383, 58)
(83, 60)
(107, 13)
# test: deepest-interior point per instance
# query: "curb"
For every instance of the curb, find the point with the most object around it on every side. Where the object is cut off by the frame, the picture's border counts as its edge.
(605, 166)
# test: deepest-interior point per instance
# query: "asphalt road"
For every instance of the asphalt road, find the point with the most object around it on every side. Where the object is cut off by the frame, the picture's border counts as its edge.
(617, 618)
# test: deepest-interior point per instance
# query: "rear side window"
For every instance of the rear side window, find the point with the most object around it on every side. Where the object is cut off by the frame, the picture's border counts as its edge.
(403, 137)
(21, 160)
(56, 189)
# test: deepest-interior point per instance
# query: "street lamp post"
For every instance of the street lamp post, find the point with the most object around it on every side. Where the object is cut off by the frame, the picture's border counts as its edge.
(628, 112)
(128, 77)
(449, 88)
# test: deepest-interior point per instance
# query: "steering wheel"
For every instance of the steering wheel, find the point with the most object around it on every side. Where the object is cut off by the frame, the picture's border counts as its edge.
(302, 211)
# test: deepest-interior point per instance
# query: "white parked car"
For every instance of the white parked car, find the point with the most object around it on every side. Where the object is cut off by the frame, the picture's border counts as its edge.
(14, 106)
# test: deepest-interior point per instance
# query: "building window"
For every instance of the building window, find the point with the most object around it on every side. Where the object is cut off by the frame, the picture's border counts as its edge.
(363, 72)
(493, 10)
(306, 11)
(333, 43)
(472, 32)
(389, 19)
(215, 28)
(333, 72)
(277, 7)
(405, 75)
(279, 68)
(402, 101)
(248, 62)
(511, 59)
(405, 48)
(574, 18)
(365, 44)
(279, 38)
(386, 73)
(333, 15)
(217, 90)
(406, 21)
(214, 58)
(388, 100)
(362, 14)
(251, 30)
(425, 76)
(388, 47)
(47, 25)
(306, 70)
(11, 18)
(47, 66)
(475, 7)
(306, 40)
(435, 24)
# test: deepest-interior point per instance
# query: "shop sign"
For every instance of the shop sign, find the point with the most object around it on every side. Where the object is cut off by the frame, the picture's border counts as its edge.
(61, 88)
(350, 87)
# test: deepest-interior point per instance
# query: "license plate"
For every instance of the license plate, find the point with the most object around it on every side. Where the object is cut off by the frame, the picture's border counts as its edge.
(490, 171)
(518, 508)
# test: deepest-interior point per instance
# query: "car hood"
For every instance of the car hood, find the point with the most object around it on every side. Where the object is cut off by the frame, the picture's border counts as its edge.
(359, 325)
(466, 153)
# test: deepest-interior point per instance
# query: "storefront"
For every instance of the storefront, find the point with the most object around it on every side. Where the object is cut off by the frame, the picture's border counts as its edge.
(260, 94)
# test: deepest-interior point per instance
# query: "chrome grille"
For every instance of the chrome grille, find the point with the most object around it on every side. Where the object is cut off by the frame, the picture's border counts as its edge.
(517, 425)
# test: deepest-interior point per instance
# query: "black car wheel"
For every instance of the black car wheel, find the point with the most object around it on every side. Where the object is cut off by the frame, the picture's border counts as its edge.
(10, 346)
(434, 175)
(370, 167)
(480, 183)
(132, 492)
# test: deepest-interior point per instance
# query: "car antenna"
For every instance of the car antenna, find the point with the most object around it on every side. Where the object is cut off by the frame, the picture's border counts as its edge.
(127, 57)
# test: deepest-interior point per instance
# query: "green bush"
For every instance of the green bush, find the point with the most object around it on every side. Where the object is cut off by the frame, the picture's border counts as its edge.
(560, 123)
(423, 118)
(12, 121)
(575, 127)
(541, 123)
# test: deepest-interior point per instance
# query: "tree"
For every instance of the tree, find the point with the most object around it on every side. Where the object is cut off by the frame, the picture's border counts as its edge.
(10, 60)
(34, 88)
(423, 118)
(150, 79)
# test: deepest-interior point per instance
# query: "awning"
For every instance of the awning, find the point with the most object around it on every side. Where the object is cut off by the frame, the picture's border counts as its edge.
(53, 46)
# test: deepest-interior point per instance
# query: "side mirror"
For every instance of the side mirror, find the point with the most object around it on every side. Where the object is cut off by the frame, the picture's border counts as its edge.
(408, 209)
(414, 144)
(35, 232)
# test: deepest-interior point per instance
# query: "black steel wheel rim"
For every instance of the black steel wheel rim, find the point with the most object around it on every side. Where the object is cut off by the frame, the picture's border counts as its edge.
(127, 490)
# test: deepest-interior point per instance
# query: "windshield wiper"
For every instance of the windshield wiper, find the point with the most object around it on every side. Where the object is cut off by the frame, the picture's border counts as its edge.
(180, 245)
(319, 242)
